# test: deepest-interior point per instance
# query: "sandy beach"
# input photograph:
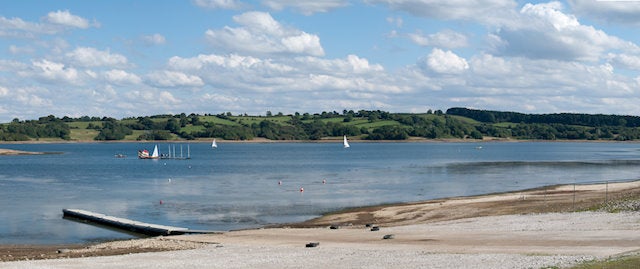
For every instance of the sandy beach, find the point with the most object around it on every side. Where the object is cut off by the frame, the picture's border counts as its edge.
(527, 229)
(17, 152)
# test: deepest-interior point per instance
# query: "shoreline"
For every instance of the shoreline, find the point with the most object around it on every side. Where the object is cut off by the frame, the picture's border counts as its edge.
(526, 205)
(322, 140)
(21, 152)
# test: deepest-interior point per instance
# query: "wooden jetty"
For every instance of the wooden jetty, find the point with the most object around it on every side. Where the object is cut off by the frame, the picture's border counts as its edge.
(126, 225)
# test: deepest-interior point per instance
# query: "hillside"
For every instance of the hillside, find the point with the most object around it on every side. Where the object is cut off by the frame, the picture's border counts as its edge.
(456, 123)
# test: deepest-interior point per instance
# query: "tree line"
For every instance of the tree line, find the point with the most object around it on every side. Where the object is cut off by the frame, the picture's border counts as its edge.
(459, 123)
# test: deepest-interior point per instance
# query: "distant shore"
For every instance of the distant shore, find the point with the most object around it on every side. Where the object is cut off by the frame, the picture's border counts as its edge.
(322, 140)
(20, 152)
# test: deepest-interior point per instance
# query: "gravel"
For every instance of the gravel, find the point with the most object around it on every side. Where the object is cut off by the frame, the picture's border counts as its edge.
(260, 251)
(289, 257)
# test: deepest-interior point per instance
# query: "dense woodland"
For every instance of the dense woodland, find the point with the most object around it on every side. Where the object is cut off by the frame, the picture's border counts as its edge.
(455, 123)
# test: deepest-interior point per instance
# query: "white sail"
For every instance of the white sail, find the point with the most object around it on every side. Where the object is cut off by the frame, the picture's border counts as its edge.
(345, 142)
(155, 152)
(213, 144)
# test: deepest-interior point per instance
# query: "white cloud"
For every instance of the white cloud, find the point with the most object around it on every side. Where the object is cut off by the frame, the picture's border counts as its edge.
(625, 12)
(445, 39)
(625, 61)
(260, 34)
(219, 4)
(16, 27)
(67, 19)
(154, 39)
(492, 12)
(543, 31)
(12, 66)
(396, 21)
(53, 72)
(171, 79)
(51, 24)
(91, 57)
(32, 98)
(3, 91)
(121, 77)
(306, 7)
(445, 62)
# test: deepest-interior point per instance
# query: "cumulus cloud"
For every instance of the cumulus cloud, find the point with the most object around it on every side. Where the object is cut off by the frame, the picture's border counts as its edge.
(67, 19)
(624, 12)
(260, 34)
(121, 77)
(306, 7)
(444, 39)
(169, 79)
(445, 62)
(492, 12)
(154, 39)
(219, 4)
(53, 72)
(91, 57)
(543, 31)
(51, 24)
(625, 61)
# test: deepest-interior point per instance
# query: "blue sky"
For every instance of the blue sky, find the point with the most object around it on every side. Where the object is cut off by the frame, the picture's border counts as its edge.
(134, 58)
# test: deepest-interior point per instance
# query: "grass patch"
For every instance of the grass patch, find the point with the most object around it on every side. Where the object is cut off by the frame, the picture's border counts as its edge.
(216, 120)
(248, 120)
(134, 135)
(82, 124)
(376, 124)
(190, 129)
(83, 134)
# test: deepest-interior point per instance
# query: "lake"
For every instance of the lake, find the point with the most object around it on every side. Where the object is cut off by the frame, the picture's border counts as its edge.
(248, 185)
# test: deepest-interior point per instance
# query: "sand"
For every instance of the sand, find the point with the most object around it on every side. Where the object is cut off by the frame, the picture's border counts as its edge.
(21, 152)
(528, 229)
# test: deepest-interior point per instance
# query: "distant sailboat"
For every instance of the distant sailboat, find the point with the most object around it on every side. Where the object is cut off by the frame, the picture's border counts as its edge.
(155, 154)
(345, 142)
(213, 144)
(144, 154)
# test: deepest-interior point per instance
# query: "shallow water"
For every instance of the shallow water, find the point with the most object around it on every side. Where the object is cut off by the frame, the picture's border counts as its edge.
(237, 186)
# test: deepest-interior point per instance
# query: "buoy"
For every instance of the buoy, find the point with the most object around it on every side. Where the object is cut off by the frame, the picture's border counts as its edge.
(301, 189)
(324, 181)
(161, 202)
(279, 182)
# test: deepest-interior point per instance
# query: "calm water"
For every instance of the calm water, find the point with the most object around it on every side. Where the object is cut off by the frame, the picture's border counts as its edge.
(236, 185)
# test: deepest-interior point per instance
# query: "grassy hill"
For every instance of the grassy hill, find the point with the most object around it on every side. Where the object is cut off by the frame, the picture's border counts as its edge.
(457, 123)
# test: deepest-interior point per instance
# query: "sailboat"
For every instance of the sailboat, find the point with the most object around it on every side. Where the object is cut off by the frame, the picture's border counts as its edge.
(345, 142)
(213, 144)
(155, 154)
(144, 154)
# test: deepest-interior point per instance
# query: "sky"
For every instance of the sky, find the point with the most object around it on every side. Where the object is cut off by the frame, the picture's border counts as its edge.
(129, 58)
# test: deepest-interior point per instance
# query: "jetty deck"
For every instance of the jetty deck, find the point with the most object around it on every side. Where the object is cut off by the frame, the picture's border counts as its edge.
(126, 225)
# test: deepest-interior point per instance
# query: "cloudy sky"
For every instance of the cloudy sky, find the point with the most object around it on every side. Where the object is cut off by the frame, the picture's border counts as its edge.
(147, 57)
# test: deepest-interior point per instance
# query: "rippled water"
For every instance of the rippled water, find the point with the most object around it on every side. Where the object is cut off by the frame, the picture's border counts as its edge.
(237, 185)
